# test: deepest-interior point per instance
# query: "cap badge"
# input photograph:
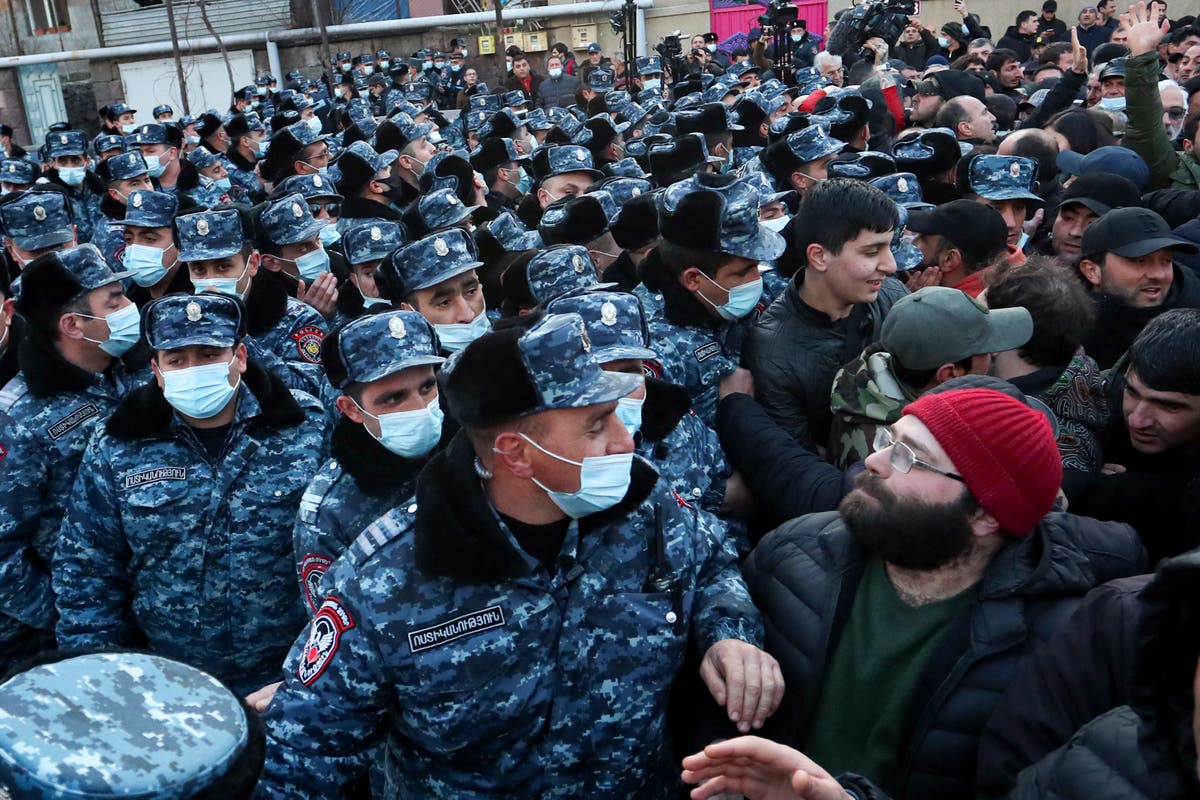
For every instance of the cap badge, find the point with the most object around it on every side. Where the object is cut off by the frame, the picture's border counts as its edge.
(39, 213)
(440, 247)
(452, 200)
(608, 314)
(202, 227)
(136, 200)
(376, 234)
(587, 343)
(63, 139)
(635, 191)
(297, 212)
(902, 184)
(317, 181)
(396, 328)
(12, 167)
(1014, 169)
(577, 260)
(579, 156)
(193, 311)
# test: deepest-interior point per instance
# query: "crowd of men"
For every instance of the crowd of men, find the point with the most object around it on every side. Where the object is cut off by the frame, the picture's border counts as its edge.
(826, 424)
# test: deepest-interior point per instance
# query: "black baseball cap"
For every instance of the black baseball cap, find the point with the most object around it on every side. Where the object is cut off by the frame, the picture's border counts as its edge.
(1102, 192)
(1132, 233)
(975, 228)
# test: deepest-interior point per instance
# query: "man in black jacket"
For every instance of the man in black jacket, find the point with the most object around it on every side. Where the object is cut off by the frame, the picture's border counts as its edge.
(831, 309)
(941, 571)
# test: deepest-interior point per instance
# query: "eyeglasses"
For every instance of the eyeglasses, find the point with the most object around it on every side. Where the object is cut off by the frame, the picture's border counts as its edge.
(1176, 112)
(903, 459)
(334, 209)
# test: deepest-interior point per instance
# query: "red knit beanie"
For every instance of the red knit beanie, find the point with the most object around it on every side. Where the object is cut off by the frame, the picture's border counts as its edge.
(1004, 450)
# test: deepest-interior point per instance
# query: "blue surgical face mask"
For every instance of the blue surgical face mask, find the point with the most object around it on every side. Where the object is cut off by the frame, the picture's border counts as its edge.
(712, 48)
(155, 166)
(651, 83)
(128, 129)
(556, 72)
(603, 482)
(368, 69)
(777, 224)
(72, 176)
(439, 64)
(192, 139)
(225, 286)
(456, 67)
(199, 392)
(260, 148)
(629, 411)
(124, 328)
(364, 93)
(1112, 103)
(368, 302)
(314, 124)
(146, 263)
(943, 42)
(329, 235)
(409, 434)
(347, 67)
(966, 31)
(797, 37)
(224, 184)
(383, 65)
(426, 65)
(457, 335)
(312, 265)
(742, 299)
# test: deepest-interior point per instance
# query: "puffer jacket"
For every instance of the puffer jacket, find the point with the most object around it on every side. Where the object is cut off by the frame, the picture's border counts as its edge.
(1145, 749)
(795, 350)
(804, 576)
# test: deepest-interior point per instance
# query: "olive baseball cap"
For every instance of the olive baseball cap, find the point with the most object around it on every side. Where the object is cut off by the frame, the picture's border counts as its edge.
(939, 325)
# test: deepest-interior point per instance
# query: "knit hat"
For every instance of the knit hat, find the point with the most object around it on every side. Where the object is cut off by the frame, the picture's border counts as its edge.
(1004, 450)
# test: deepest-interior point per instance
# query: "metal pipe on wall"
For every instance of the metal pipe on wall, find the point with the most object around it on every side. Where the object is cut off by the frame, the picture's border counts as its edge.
(354, 30)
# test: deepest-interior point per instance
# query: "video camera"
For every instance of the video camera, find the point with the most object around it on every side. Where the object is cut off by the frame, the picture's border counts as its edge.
(883, 18)
(778, 16)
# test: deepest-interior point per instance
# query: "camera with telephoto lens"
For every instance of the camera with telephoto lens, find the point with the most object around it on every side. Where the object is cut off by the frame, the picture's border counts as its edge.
(883, 18)
(778, 16)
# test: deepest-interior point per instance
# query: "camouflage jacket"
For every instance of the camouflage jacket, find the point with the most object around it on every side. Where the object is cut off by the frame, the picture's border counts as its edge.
(695, 349)
(684, 451)
(165, 546)
(362, 482)
(866, 394)
(47, 414)
(285, 335)
(491, 674)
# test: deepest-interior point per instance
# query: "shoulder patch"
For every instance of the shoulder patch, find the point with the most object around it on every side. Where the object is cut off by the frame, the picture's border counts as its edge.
(312, 568)
(156, 475)
(707, 351)
(308, 343)
(652, 369)
(73, 420)
(331, 621)
(470, 624)
(3, 452)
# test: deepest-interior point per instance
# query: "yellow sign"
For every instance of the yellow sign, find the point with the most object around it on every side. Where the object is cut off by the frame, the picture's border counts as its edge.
(487, 45)
(536, 42)
(582, 36)
(513, 40)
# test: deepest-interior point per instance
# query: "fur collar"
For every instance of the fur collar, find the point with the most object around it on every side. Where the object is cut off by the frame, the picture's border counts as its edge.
(375, 469)
(146, 414)
(679, 305)
(47, 373)
(111, 208)
(239, 160)
(457, 534)
(266, 303)
(9, 365)
(665, 406)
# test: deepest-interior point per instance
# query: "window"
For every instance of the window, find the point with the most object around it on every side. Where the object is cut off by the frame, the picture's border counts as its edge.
(48, 16)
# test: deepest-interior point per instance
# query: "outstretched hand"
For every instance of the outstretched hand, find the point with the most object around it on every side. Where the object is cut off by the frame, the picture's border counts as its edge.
(760, 770)
(1144, 30)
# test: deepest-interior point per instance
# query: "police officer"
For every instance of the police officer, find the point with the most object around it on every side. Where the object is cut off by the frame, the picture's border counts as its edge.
(178, 529)
(1007, 184)
(160, 146)
(150, 254)
(324, 202)
(391, 421)
(123, 174)
(79, 325)
(68, 160)
(16, 175)
(283, 334)
(135, 725)
(12, 329)
(516, 628)
(248, 144)
(436, 276)
(701, 284)
(504, 170)
(36, 222)
(367, 182)
(800, 160)
(366, 245)
(293, 253)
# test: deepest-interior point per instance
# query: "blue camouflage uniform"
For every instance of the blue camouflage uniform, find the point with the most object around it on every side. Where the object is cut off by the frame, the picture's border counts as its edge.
(184, 548)
(696, 349)
(47, 414)
(85, 202)
(364, 479)
(286, 340)
(493, 673)
(36, 219)
(113, 725)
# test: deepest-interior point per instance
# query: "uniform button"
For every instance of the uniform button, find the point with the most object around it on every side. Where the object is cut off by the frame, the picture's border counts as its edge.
(332, 467)
(658, 297)
(278, 493)
(696, 492)
(671, 617)
(412, 509)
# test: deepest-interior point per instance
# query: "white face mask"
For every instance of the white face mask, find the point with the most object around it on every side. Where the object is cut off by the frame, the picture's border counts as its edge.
(777, 224)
